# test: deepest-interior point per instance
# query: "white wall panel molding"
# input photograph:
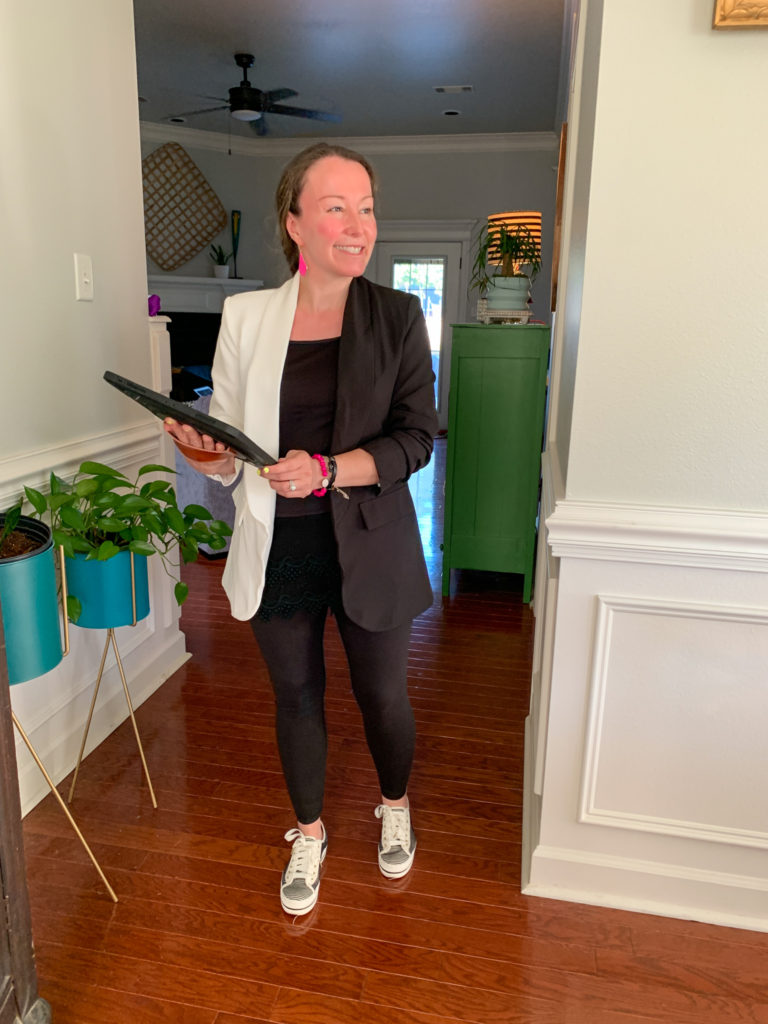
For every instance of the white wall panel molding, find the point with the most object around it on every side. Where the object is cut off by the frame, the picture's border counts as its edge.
(121, 449)
(220, 142)
(545, 605)
(709, 538)
(625, 633)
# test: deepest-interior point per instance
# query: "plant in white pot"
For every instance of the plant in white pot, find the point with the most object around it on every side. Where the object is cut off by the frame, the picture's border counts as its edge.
(507, 260)
(220, 260)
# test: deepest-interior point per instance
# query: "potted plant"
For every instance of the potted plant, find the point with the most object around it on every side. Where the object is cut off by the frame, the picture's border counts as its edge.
(220, 260)
(108, 525)
(515, 259)
(29, 597)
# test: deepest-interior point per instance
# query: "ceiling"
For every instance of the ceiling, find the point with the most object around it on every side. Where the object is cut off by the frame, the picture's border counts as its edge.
(373, 62)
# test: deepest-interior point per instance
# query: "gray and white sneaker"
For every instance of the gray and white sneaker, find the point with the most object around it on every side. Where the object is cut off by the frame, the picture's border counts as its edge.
(398, 841)
(300, 883)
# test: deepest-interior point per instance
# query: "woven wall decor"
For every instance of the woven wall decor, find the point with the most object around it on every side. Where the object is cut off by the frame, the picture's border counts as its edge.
(182, 213)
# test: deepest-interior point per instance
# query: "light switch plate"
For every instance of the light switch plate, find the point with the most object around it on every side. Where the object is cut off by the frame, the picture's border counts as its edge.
(83, 278)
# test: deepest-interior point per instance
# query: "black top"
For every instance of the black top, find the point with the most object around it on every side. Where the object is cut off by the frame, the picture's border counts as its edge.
(307, 409)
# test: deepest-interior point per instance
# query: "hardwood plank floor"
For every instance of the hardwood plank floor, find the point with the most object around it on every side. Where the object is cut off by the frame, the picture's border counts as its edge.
(198, 936)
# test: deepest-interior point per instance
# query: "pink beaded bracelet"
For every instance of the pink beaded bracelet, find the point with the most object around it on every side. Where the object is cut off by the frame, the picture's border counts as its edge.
(324, 470)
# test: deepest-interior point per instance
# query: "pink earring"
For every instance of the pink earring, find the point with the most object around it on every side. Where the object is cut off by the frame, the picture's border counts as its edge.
(302, 264)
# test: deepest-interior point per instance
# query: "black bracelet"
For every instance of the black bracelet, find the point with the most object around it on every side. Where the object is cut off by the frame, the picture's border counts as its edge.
(332, 467)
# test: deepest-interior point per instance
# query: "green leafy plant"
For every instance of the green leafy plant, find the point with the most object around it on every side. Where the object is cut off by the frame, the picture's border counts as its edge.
(101, 513)
(219, 257)
(516, 251)
(10, 522)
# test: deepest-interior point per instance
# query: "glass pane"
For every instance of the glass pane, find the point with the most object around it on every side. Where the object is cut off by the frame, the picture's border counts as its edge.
(425, 277)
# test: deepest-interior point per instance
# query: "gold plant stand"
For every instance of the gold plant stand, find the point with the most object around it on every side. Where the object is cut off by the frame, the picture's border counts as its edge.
(40, 764)
(111, 639)
(64, 807)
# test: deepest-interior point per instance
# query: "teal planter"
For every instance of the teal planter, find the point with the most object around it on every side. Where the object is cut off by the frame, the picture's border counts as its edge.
(30, 606)
(104, 589)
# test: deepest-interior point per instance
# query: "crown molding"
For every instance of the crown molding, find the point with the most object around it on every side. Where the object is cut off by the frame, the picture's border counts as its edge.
(402, 145)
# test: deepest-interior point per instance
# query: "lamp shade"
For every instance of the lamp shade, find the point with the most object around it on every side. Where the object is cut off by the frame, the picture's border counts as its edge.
(528, 220)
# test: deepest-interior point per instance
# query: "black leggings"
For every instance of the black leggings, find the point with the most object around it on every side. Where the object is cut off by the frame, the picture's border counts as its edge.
(293, 651)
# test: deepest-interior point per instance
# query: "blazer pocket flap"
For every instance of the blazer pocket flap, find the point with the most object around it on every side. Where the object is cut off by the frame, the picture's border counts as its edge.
(386, 508)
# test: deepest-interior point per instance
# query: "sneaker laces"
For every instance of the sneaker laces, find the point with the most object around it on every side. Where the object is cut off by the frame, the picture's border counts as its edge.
(305, 857)
(395, 827)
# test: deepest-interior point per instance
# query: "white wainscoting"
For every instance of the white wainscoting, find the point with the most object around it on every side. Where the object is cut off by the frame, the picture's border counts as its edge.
(646, 744)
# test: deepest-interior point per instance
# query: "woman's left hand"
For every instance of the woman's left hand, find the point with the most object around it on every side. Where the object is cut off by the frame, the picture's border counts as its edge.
(295, 475)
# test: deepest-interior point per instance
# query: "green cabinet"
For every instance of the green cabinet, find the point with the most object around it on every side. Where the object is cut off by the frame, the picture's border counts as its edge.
(495, 431)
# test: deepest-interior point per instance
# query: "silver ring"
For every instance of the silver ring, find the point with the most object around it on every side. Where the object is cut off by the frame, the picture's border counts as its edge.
(291, 485)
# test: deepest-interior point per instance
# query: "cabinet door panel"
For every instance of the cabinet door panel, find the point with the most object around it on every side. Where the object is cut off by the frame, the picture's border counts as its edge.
(498, 384)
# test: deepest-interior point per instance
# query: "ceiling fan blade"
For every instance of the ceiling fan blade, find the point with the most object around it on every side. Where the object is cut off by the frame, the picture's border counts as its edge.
(279, 94)
(315, 115)
(260, 127)
(203, 110)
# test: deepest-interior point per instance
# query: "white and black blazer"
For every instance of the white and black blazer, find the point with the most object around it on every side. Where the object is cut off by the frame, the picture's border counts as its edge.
(384, 404)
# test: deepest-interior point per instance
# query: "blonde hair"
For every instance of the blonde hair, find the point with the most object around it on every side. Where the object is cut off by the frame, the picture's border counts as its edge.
(292, 182)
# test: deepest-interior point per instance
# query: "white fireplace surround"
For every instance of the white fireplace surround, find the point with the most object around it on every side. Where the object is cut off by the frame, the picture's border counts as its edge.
(196, 294)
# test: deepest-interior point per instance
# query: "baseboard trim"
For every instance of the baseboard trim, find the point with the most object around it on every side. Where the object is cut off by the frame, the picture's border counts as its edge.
(646, 887)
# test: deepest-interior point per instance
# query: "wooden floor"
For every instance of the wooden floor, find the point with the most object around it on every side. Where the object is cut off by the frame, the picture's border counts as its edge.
(198, 936)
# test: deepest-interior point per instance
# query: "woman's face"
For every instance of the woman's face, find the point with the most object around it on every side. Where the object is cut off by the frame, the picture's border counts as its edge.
(336, 227)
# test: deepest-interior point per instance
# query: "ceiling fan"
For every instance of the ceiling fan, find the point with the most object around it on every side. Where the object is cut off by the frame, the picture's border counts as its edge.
(249, 104)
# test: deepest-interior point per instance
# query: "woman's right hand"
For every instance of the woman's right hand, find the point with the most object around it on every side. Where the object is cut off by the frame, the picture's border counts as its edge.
(201, 451)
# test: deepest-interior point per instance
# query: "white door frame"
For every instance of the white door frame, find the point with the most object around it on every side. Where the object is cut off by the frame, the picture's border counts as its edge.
(436, 231)
(427, 234)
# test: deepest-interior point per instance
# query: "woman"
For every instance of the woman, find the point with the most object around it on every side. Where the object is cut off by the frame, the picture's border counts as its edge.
(335, 374)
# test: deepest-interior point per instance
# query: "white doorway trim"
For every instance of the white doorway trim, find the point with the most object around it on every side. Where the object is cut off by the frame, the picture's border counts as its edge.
(461, 231)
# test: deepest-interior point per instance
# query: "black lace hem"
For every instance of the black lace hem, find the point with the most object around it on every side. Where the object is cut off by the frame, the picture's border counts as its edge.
(302, 570)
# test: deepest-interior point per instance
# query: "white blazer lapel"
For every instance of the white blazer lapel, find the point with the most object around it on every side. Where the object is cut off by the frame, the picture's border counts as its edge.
(265, 340)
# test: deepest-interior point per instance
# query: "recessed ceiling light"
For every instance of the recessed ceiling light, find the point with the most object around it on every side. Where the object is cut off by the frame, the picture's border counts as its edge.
(451, 113)
(177, 120)
(452, 88)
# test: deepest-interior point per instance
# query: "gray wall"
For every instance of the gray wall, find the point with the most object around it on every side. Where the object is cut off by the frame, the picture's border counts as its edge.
(462, 185)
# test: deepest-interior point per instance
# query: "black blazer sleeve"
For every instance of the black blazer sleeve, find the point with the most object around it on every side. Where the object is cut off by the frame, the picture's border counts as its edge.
(385, 404)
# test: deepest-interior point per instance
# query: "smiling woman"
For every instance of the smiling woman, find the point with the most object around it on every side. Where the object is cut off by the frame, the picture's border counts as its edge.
(335, 373)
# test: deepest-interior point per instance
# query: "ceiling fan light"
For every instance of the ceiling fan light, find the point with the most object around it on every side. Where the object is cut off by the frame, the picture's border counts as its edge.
(246, 115)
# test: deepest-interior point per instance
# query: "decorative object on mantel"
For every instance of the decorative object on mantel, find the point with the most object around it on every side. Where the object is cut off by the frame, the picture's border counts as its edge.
(182, 213)
(236, 221)
(740, 14)
(182, 294)
(153, 305)
(510, 245)
(220, 260)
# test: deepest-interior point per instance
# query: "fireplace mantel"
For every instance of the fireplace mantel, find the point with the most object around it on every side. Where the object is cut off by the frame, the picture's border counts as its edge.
(196, 294)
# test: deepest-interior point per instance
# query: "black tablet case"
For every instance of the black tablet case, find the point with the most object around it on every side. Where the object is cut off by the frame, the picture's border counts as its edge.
(243, 447)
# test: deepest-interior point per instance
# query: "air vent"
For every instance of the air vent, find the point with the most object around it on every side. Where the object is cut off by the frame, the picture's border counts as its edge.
(453, 88)
(451, 113)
